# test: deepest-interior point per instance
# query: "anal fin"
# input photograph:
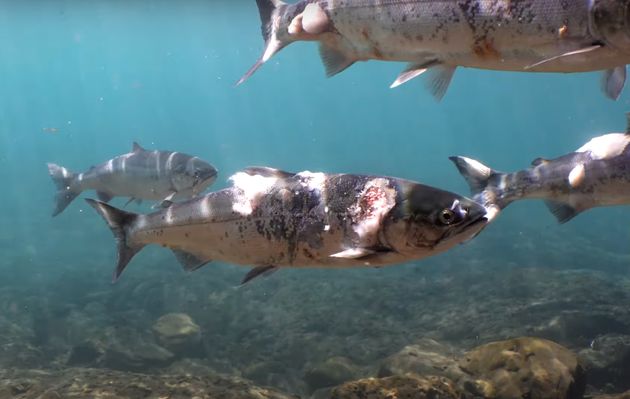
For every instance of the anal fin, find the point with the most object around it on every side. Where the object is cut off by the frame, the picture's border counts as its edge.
(335, 60)
(563, 212)
(613, 82)
(258, 271)
(563, 55)
(189, 262)
(354, 253)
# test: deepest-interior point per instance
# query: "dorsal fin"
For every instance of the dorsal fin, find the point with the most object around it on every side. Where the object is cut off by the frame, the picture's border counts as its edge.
(267, 172)
(137, 147)
(539, 161)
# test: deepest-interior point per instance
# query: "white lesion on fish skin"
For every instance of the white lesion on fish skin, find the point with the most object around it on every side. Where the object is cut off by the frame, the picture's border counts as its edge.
(169, 162)
(206, 210)
(249, 190)
(373, 204)
(110, 166)
(606, 146)
(309, 24)
(577, 175)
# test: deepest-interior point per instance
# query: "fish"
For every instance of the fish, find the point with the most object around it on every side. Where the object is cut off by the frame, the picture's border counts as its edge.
(438, 36)
(595, 175)
(140, 175)
(270, 219)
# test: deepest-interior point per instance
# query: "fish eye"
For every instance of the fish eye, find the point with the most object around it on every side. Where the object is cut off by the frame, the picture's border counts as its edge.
(447, 216)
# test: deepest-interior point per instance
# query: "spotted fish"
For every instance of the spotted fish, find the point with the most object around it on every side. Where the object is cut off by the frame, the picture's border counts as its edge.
(140, 175)
(441, 35)
(270, 219)
(597, 174)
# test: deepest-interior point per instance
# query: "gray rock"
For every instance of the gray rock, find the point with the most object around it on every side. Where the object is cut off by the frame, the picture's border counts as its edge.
(329, 373)
(180, 334)
(427, 357)
(608, 361)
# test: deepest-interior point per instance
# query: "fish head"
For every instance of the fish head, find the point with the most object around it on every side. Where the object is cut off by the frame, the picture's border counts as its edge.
(609, 22)
(430, 220)
(193, 175)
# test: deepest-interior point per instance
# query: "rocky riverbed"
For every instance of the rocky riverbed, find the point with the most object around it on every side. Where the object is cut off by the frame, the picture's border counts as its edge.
(445, 326)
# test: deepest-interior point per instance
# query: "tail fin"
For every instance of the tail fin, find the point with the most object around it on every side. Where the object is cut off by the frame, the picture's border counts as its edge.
(268, 9)
(119, 222)
(477, 175)
(67, 190)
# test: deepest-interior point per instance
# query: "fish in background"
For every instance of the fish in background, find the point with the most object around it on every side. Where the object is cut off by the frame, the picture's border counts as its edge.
(597, 174)
(271, 219)
(140, 175)
(441, 35)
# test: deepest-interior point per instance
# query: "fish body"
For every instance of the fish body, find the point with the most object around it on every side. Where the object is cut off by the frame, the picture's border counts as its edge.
(595, 175)
(507, 35)
(139, 175)
(270, 219)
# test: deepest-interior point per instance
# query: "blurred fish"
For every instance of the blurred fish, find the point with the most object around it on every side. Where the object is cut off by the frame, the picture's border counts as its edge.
(51, 130)
(441, 35)
(271, 219)
(597, 174)
(140, 175)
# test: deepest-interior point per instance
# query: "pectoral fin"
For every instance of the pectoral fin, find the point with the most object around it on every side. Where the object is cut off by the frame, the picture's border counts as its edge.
(440, 79)
(563, 212)
(166, 202)
(613, 82)
(563, 55)
(258, 271)
(190, 262)
(335, 60)
(412, 72)
(354, 253)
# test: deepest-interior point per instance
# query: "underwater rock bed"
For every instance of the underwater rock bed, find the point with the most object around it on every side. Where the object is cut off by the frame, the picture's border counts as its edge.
(102, 384)
(307, 332)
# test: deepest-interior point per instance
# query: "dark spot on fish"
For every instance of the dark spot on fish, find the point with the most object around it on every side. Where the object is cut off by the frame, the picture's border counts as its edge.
(186, 235)
(485, 49)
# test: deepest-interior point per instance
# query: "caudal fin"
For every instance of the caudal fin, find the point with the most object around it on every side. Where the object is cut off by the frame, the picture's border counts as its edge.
(477, 175)
(119, 222)
(268, 10)
(67, 189)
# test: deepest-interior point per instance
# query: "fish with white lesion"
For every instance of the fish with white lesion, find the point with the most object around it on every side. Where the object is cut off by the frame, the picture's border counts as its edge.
(595, 175)
(163, 176)
(437, 37)
(270, 219)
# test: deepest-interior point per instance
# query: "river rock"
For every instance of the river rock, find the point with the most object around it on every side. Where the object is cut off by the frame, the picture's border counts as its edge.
(398, 386)
(427, 357)
(180, 334)
(607, 361)
(331, 372)
(524, 368)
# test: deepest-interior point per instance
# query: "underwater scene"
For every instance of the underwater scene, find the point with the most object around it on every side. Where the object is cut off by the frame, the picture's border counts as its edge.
(169, 233)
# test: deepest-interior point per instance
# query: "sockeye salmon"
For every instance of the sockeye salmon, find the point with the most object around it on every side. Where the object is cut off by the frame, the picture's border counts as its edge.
(270, 219)
(597, 174)
(441, 35)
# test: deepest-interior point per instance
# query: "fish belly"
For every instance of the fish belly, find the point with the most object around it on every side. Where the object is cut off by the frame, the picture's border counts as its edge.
(490, 34)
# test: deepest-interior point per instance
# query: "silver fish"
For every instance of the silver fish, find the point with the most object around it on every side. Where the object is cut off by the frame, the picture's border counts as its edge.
(140, 175)
(270, 219)
(441, 35)
(597, 174)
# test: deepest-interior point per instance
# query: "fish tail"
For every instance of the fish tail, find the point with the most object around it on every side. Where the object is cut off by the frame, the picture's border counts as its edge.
(119, 222)
(481, 180)
(268, 10)
(67, 189)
